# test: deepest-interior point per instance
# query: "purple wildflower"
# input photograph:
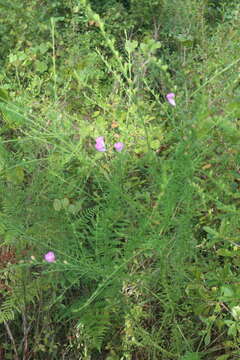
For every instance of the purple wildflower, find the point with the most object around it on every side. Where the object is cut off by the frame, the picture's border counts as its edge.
(100, 145)
(50, 257)
(170, 99)
(119, 146)
(100, 139)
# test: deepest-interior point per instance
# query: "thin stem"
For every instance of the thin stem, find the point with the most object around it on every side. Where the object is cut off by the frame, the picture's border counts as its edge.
(12, 339)
(54, 59)
(215, 76)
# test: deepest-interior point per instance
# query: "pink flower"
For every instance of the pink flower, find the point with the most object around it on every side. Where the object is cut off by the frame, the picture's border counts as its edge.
(100, 145)
(119, 146)
(50, 257)
(100, 139)
(170, 98)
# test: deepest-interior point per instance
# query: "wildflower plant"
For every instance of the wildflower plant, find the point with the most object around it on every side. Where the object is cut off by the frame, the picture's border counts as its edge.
(148, 239)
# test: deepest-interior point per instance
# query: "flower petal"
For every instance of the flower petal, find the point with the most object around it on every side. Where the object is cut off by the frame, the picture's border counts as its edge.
(100, 145)
(170, 98)
(119, 146)
(50, 257)
(100, 139)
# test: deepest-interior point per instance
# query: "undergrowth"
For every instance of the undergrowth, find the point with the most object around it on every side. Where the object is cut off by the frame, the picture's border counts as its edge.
(145, 238)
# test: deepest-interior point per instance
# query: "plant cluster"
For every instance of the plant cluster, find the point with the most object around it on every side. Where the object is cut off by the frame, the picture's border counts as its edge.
(119, 180)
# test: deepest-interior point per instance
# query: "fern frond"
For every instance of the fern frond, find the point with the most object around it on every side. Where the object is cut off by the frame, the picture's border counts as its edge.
(89, 213)
(94, 325)
(7, 310)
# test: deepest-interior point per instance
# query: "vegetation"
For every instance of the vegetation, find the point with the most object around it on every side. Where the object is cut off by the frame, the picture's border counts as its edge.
(119, 180)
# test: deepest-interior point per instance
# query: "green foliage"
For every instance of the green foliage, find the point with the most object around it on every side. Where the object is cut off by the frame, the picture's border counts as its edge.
(146, 240)
(7, 311)
(191, 356)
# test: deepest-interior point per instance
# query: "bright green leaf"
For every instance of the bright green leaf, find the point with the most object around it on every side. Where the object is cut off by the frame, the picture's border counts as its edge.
(191, 356)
